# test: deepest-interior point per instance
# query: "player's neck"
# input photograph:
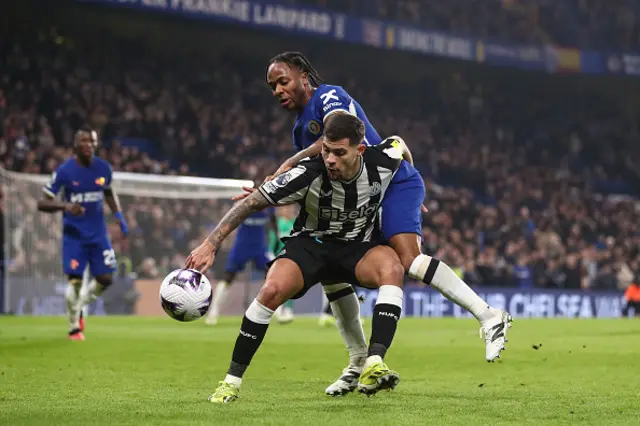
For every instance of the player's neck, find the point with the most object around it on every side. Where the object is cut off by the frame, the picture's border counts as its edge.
(308, 94)
(84, 163)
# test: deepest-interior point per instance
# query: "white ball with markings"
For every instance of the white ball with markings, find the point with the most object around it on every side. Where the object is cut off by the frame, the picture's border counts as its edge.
(185, 295)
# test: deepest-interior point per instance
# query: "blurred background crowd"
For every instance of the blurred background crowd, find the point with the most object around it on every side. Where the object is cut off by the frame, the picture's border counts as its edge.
(532, 179)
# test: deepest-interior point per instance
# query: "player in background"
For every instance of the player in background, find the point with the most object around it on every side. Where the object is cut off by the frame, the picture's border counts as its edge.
(298, 88)
(86, 182)
(285, 218)
(250, 245)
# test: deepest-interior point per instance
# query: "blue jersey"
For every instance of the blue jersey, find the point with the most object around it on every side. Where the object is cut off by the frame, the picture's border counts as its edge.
(325, 101)
(85, 186)
(253, 231)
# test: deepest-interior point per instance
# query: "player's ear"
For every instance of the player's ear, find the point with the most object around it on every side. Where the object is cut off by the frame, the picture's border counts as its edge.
(361, 148)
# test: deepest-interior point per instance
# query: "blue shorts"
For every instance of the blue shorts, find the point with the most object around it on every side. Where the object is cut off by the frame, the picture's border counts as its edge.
(401, 207)
(241, 254)
(99, 255)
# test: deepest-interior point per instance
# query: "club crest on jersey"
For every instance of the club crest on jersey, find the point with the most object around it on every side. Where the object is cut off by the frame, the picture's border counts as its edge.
(314, 127)
(100, 181)
(375, 189)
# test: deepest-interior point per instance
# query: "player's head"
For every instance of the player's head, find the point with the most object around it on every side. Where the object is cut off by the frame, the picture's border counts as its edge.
(292, 79)
(342, 146)
(85, 143)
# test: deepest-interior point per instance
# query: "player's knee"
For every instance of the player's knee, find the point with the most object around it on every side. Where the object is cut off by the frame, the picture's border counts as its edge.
(388, 273)
(75, 280)
(105, 281)
(271, 294)
(406, 260)
(392, 274)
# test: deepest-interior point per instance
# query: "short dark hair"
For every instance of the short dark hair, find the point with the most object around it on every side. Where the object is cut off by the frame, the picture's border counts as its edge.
(298, 60)
(344, 126)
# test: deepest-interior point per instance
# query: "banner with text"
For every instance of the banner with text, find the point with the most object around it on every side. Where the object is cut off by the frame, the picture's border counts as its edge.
(426, 302)
(327, 24)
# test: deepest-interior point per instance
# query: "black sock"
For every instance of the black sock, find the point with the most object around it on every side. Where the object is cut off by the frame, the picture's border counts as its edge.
(247, 344)
(383, 328)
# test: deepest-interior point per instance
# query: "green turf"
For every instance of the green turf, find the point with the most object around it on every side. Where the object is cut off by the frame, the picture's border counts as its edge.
(144, 371)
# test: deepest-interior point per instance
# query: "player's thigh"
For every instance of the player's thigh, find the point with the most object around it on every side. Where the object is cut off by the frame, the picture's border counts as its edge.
(74, 256)
(401, 207)
(101, 257)
(379, 266)
(309, 256)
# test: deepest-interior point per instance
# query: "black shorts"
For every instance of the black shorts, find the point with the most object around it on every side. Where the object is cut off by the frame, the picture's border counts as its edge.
(328, 262)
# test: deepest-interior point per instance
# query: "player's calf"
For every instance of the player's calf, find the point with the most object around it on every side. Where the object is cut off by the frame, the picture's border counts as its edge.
(72, 297)
(494, 322)
(381, 268)
(346, 307)
(284, 281)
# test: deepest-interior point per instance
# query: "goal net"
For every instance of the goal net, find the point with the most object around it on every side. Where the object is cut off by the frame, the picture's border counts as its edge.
(167, 216)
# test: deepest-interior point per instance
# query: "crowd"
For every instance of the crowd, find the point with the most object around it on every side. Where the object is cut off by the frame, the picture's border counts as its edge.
(592, 24)
(518, 192)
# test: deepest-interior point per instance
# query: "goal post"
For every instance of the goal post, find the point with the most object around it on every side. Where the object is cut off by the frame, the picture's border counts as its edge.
(167, 216)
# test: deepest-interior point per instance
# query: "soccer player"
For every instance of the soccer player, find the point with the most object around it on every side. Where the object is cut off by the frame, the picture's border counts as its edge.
(339, 194)
(298, 88)
(86, 181)
(250, 245)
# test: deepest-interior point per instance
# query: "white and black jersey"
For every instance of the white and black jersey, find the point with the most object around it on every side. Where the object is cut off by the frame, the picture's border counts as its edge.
(337, 210)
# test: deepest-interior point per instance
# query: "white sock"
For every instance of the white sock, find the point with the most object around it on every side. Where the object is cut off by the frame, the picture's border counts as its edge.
(236, 381)
(72, 296)
(220, 294)
(347, 313)
(439, 276)
(89, 294)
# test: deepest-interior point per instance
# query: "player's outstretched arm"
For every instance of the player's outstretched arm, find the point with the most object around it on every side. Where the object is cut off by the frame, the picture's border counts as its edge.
(49, 204)
(202, 257)
(310, 151)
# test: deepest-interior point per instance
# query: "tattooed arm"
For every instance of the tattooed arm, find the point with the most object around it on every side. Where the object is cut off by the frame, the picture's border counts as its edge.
(234, 217)
(202, 257)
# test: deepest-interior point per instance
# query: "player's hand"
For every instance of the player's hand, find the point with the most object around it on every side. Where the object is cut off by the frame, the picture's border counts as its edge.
(201, 258)
(424, 209)
(75, 209)
(248, 191)
(284, 168)
(123, 224)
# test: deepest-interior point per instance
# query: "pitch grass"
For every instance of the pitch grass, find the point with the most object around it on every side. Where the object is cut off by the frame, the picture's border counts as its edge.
(155, 371)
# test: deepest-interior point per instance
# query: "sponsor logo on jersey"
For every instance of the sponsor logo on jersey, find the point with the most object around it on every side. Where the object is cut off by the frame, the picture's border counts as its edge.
(331, 105)
(314, 127)
(327, 193)
(75, 183)
(86, 197)
(74, 264)
(256, 221)
(375, 189)
(329, 96)
(337, 215)
(100, 181)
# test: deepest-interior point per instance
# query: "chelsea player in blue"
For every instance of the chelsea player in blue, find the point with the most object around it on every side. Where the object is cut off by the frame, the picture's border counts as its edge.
(250, 245)
(298, 88)
(85, 182)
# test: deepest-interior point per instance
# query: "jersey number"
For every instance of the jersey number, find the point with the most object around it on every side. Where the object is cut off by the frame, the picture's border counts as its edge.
(109, 258)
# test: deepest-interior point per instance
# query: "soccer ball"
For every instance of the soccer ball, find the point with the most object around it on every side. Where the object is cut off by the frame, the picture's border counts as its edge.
(185, 294)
